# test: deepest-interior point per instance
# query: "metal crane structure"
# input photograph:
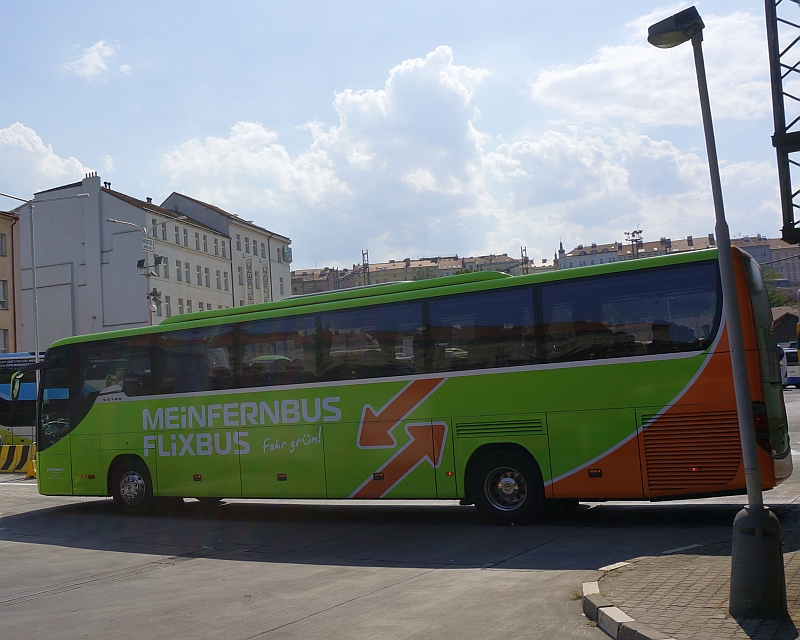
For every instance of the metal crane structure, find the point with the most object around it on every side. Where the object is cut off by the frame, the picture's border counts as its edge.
(783, 41)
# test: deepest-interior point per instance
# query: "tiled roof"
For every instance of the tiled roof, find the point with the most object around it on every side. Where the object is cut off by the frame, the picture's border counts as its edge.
(228, 214)
(154, 208)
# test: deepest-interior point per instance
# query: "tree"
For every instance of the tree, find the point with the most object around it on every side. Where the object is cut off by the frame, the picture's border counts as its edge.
(776, 298)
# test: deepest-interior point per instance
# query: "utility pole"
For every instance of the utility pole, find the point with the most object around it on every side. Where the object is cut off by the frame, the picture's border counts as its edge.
(634, 237)
(523, 253)
(365, 264)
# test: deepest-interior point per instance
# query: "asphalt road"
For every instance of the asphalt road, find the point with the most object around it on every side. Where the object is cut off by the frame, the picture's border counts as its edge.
(75, 568)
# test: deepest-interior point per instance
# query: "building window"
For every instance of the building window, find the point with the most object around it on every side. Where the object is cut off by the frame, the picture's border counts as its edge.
(219, 306)
(281, 285)
(199, 276)
(188, 306)
(205, 243)
(155, 228)
(164, 231)
(263, 250)
(278, 251)
(238, 242)
(208, 278)
(197, 240)
(225, 280)
(178, 270)
(185, 237)
(157, 269)
(256, 278)
(219, 280)
(3, 294)
(246, 244)
(216, 246)
(187, 272)
(168, 304)
(3, 244)
(224, 249)
(158, 307)
(199, 306)
(177, 234)
(180, 306)
(166, 268)
(3, 340)
(241, 278)
(241, 303)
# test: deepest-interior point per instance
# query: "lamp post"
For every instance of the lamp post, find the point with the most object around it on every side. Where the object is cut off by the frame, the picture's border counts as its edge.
(758, 585)
(144, 264)
(33, 264)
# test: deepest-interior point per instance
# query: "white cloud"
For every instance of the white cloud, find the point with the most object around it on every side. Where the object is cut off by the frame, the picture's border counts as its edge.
(92, 62)
(108, 164)
(28, 164)
(125, 69)
(638, 83)
(405, 172)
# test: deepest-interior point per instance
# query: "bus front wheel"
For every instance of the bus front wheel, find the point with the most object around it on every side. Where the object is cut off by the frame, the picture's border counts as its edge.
(507, 488)
(132, 487)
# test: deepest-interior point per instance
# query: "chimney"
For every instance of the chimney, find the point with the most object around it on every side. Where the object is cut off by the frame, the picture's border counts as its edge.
(711, 241)
(149, 200)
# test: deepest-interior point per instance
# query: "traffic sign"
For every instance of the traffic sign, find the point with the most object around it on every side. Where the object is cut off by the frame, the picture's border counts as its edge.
(149, 245)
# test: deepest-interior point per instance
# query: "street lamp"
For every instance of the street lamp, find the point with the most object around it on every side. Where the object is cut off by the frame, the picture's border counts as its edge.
(758, 585)
(33, 264)
(152, 296)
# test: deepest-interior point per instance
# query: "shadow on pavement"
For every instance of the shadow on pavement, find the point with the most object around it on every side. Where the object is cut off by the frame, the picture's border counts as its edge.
(377, 534)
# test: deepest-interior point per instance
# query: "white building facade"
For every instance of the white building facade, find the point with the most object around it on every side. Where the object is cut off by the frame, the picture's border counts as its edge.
(87, 278)
(260, 259)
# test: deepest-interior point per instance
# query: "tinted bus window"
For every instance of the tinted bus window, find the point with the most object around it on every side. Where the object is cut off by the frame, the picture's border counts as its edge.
(56, 394)
(645, 312)
(483, 330)
(278, 351)
(372, 342)
(193, 360)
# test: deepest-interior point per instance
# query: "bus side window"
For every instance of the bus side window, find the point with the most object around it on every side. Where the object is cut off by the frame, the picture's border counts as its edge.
(190, 360)
(483, 330)
(373, 342)
(56, 409)
(652, 311)
(277, 351)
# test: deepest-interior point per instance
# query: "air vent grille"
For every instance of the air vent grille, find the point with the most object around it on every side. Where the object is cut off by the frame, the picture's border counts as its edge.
(499, 429)
(691, 452)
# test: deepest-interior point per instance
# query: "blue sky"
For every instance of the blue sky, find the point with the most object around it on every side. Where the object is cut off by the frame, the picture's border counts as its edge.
(405, 128)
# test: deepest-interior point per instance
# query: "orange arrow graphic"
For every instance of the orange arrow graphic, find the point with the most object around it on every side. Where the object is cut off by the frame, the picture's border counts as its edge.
(375, 429)
(418, 449)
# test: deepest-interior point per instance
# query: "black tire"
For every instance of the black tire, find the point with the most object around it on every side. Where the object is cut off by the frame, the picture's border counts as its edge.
(132, 487)
(507, 488)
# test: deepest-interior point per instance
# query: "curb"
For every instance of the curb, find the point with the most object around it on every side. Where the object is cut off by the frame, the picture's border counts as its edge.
(615, 622)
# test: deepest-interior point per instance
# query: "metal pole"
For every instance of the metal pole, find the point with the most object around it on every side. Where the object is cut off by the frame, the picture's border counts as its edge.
(733, 321)
(758, 584)
(35, 296)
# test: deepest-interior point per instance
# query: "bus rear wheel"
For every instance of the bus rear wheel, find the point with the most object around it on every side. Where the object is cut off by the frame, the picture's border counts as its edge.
(507, 488)
(132, 487)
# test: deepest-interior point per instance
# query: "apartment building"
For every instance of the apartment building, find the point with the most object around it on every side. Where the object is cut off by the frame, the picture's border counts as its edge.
(260, 259)
(9, 282)
(87, 274)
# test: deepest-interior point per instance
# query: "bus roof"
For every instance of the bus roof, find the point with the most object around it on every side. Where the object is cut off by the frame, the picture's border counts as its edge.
(391, 292)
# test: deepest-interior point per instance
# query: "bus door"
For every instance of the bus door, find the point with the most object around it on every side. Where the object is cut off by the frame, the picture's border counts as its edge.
(197, 453)
(56, 420)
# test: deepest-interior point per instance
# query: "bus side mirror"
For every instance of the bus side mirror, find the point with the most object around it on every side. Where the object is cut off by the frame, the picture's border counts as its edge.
(16, 384)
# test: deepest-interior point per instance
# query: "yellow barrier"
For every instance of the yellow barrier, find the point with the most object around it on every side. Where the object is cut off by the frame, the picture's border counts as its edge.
(31, 472)
(15, 458)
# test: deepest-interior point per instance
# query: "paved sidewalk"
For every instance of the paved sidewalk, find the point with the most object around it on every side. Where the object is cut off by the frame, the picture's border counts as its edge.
(685, 594)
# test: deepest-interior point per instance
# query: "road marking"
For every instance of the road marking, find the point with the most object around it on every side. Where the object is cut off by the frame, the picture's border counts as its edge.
(677, 549)
(616, 565)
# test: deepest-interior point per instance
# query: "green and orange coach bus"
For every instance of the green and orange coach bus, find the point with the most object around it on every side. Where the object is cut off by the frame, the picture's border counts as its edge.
(599, 383)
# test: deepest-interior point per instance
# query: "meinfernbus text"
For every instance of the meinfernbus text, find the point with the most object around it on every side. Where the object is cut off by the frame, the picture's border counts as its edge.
(599, 383)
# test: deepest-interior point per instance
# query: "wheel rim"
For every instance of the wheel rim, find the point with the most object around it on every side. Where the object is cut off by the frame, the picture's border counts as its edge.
(505, 489)
(132, 488)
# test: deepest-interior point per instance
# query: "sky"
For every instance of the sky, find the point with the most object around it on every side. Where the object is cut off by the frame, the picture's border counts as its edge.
(408, 129)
